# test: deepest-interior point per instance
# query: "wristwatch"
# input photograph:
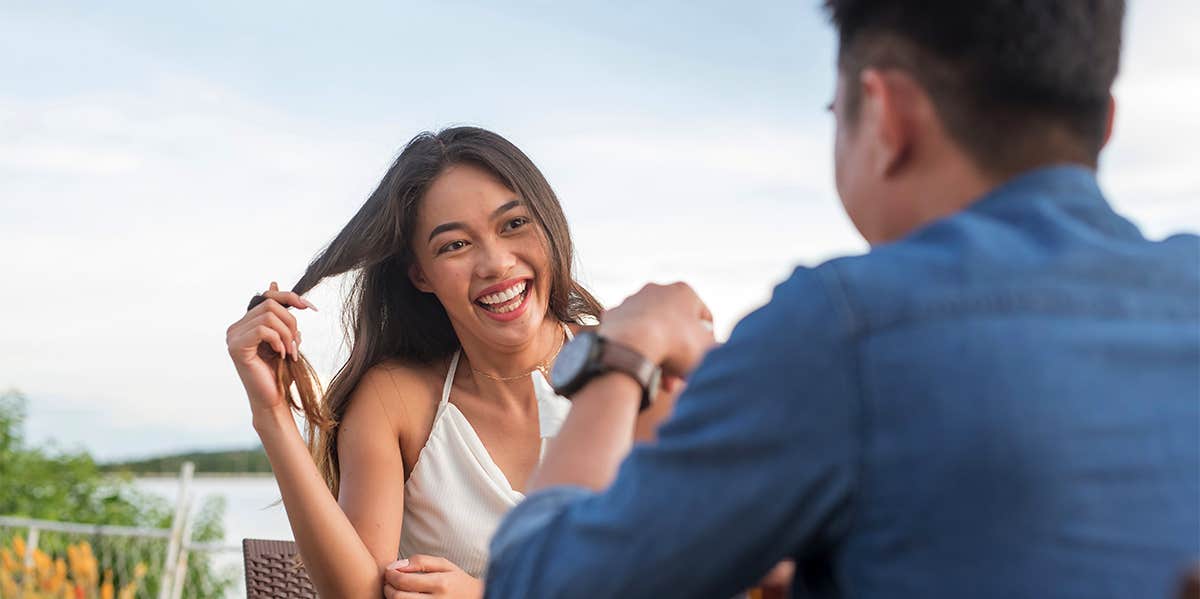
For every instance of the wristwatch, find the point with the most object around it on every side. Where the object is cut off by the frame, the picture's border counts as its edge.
(589, 355)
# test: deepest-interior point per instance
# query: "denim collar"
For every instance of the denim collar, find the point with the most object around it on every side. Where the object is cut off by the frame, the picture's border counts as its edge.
(1070, 188)
(1071, 183)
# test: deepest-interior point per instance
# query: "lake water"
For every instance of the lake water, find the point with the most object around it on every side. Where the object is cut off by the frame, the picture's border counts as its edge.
(251, 510)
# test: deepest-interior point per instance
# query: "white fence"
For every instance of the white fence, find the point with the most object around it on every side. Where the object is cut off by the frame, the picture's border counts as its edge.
(178, 538)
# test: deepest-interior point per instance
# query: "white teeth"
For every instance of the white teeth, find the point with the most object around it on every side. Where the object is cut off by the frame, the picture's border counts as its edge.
(505, 309)
(504, 296)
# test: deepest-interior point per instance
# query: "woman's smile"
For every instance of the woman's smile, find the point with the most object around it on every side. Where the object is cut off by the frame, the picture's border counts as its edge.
(505, 301)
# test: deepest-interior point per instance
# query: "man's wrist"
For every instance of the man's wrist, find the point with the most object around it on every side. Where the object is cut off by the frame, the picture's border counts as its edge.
(614, 387)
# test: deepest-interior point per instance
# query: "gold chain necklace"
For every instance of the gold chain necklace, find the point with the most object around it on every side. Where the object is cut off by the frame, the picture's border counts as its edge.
(543, 366)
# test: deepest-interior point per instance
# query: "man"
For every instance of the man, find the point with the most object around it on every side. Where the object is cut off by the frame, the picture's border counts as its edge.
(1002, 399)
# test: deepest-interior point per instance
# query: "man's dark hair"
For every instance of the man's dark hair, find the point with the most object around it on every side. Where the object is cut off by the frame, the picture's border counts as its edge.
(1017, 83)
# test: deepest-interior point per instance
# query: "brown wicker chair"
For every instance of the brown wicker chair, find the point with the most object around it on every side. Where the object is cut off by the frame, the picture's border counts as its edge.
(273, 571)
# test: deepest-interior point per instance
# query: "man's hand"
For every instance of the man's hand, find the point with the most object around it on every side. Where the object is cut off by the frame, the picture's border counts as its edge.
(668, 324)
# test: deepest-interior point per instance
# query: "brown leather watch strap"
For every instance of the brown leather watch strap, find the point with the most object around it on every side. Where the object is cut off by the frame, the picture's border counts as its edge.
(624, 359)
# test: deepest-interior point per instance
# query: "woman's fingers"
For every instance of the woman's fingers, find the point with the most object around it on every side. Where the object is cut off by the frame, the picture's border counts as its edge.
(416, 582)
(271, 312)
(287, 297)
(281, 311)
(285, 333)
(419, 573)
(425, 563)
(261, 334)
(263, 328)
(393, 593)
(780, 577)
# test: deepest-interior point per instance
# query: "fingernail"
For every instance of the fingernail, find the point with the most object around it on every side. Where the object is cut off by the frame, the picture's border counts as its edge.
(310, 305)
(295, 352)
(400, 563)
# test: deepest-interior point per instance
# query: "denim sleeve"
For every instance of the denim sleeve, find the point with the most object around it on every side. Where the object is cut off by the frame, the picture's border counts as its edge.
(757, 463)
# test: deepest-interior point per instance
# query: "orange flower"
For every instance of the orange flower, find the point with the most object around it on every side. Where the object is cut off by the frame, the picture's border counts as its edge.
(8, 586)
(76, 577)
(106, 589)
(9, 562)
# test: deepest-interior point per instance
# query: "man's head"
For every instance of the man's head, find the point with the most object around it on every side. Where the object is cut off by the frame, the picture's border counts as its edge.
(939, 100)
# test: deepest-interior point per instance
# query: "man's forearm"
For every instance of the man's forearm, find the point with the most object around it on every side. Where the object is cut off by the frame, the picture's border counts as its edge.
(596, 436)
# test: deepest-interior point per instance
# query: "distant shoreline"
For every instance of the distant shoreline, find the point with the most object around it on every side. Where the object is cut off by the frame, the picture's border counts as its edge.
(250, 462)
(261, 475)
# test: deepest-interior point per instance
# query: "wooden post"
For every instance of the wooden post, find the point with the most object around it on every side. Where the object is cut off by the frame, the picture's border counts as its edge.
(180, 575)
(175, 541)
(31, 541)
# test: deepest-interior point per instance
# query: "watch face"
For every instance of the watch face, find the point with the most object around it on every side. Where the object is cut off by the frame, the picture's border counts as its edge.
(571, 360)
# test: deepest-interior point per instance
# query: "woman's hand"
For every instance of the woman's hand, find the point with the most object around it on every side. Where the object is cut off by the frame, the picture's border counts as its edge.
(266, 334)
(424, 576)
(777, 582)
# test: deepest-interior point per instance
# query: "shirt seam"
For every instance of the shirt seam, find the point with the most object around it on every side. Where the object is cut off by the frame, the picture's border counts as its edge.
(835, 289)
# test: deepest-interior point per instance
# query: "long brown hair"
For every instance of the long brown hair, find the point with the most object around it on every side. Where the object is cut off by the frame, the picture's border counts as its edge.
(384, 316)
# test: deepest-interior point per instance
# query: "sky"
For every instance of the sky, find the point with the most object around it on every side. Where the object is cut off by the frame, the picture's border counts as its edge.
(161, 162)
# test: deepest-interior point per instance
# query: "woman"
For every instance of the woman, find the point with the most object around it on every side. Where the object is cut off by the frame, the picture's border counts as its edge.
(426, 436)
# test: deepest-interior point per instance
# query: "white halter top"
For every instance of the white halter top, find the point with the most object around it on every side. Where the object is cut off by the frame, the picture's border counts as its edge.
(456, 495)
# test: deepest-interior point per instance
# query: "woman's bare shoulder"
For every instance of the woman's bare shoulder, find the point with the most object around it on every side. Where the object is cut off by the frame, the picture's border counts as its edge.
(402, 386)
(404, 394)
(408, 373)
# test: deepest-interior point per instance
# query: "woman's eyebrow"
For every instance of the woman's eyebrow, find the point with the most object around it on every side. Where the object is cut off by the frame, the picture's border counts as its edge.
(442, 228)
(509, 205)
(450, 226)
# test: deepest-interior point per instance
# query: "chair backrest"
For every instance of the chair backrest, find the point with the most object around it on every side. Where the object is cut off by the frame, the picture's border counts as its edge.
(273, 571)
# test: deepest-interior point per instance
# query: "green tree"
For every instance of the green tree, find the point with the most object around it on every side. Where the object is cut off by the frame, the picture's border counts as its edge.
(69, 486)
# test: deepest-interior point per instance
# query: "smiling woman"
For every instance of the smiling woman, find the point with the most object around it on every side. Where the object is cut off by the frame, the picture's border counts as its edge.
(462, 256)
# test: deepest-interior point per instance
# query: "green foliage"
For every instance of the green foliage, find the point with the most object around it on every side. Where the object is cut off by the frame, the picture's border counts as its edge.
(71, 487)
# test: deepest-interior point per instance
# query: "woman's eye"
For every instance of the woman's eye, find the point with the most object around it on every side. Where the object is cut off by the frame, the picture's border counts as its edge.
(452, 246)
(516, 223)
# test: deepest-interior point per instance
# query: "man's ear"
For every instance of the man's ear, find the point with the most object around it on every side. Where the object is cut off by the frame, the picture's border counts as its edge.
(417, 276)
(886, 106)
(1112, 117)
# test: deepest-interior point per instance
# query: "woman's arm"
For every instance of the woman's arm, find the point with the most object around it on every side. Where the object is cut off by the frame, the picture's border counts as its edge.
(344, 547)
(371, 489)
(343, 550)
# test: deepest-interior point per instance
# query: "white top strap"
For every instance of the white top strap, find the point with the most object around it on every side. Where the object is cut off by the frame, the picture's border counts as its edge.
(449, 378)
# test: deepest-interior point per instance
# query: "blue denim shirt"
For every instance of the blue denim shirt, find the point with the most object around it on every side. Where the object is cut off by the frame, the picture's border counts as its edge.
(1004, 404)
